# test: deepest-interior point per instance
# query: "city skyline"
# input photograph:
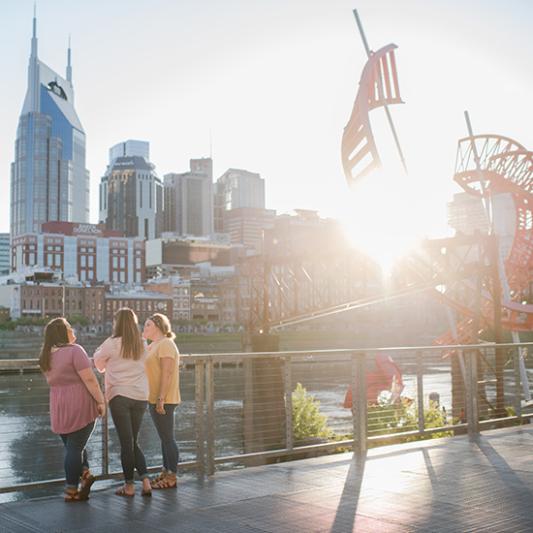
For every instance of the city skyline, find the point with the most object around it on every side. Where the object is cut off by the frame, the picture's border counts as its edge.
(277, 106)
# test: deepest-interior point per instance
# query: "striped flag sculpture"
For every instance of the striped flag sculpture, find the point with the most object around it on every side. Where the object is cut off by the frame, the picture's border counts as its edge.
(378, 87)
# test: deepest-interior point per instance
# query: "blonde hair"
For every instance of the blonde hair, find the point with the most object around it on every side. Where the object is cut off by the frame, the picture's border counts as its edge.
(162, 323)
(126, 327)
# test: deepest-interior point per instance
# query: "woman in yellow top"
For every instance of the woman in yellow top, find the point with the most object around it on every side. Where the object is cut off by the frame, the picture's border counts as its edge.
(163, 393)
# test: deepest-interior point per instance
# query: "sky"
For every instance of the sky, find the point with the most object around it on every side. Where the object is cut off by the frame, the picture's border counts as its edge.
(268, 86)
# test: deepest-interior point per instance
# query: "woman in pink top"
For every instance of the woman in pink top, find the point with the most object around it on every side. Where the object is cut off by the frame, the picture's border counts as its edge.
(122, 357)
(76, 401)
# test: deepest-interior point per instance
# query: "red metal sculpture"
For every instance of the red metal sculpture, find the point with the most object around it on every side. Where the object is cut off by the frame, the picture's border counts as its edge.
(378, 87)
(503, 166)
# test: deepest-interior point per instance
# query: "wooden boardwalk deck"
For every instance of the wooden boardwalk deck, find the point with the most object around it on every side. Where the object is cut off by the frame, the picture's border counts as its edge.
(449, 485)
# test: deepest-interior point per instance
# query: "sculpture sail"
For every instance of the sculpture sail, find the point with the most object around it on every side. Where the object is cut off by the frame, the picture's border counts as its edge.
(378, 87)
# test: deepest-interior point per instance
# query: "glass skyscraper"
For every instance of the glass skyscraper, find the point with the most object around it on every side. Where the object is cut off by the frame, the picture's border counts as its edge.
(131, 194)
(5, 254)
(49, 181)
(189, 200)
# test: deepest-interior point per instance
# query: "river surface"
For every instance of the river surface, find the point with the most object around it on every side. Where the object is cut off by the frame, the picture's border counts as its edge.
(29, 451)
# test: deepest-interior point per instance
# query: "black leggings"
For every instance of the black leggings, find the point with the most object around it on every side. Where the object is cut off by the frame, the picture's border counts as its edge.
(127, 416)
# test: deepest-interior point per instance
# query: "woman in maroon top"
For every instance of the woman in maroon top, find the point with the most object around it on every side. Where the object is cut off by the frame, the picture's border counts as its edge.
(76, 401)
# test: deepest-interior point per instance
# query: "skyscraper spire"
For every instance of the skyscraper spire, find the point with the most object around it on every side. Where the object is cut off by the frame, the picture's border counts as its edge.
(34, 35)
(69, 66)
(31, 103)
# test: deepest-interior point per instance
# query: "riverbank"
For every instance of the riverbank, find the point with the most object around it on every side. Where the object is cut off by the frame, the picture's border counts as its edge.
(17, 345)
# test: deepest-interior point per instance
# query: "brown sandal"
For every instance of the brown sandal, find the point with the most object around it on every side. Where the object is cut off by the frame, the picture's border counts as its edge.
(158, 478)
(74, 496)
(121, 491)
(168, 482)
(87, 480)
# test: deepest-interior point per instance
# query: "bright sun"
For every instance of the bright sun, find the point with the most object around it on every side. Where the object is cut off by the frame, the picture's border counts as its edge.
(382, 219)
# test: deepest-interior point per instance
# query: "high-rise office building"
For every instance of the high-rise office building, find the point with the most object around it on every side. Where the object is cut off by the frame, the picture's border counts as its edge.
(131, 194)
(49, 181)
(467, 214)
(203, 165)
(240, 207)
(129, 148)
(237, 189)
(189, 200)
(5, 254)
(240, 188)
(246, 225)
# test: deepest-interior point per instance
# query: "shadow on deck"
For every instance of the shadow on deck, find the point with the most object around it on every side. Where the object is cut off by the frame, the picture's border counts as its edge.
(449, 484)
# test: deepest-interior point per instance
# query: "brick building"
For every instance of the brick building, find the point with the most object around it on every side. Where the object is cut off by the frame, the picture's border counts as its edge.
(180, 291)
(85, 252)
(143, 303)
(49, 300)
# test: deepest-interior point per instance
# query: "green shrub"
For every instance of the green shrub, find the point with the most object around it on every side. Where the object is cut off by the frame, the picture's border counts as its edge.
(78, 320)
(403, 416)
(307, 421)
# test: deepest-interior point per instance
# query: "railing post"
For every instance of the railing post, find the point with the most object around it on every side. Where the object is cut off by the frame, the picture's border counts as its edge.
(105, 433)
(359, 410)
(105, 443)
(210, 400)
(517, 382)
(199, 394)
(248, 411)
(420, 391)
(288, 402)
(471, 393)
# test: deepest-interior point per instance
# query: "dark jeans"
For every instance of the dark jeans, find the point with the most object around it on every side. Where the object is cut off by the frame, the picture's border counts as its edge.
(165, 429)
(75, 454)
(127, 416)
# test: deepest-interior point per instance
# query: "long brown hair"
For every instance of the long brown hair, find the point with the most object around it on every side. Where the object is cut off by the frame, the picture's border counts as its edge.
(162, 323)
(55, 334)
(126, 327)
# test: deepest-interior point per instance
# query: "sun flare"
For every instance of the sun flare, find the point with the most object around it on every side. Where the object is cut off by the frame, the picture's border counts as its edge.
(382, 219)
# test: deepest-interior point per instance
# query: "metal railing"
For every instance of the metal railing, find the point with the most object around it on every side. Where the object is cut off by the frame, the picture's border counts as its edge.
(247, 408)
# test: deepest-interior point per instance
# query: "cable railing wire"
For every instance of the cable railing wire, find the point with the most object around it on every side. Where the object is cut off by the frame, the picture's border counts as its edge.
(244, 408)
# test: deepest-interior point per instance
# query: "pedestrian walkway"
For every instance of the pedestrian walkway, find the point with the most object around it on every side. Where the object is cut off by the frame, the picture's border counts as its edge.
(449, 485)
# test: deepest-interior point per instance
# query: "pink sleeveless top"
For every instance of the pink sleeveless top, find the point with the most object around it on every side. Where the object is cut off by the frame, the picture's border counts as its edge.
(71, 405)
